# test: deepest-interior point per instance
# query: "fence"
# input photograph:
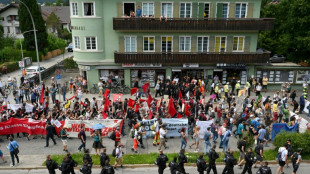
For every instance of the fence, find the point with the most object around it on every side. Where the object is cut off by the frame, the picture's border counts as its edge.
(48, 72)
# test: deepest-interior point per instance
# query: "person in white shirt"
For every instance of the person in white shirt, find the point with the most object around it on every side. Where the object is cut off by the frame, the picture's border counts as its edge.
(258, 89)
(119, 155)
(283, 160)
(162, 133)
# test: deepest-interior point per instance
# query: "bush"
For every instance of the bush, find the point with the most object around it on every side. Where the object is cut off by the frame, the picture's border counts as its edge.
(11, 66)
(70, 63)
(9, 54)
(33, 55)
(299, 140)
(55, 43)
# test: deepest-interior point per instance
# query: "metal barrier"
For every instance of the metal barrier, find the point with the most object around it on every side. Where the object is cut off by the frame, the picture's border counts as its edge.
(47, 73)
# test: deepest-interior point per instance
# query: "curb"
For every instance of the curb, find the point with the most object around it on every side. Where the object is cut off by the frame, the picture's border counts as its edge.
(132, 166)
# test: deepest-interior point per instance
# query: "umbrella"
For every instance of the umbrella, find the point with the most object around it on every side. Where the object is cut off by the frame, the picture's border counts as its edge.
(213, 96)
(98, 126)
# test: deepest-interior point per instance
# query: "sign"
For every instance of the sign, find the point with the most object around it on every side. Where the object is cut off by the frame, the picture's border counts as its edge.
(21, 64)
(173, 125)
(230, 66)
(82, 67)
(203, 127)
(58, 77)
(14, 107)
(14, 125)
(190, 65)
(141, 65)
(74, 126)
(306, 110)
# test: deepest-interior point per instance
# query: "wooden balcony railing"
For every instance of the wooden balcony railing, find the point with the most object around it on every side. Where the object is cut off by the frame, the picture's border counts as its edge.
(193, 24)
(180, 57)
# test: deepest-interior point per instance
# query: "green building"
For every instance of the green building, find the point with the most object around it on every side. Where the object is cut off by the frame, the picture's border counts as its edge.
(168, 39)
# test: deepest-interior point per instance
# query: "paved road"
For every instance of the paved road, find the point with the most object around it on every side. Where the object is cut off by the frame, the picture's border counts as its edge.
(304, 169)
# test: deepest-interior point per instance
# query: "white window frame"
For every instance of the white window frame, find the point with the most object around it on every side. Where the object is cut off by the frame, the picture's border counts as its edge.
(161, 44)
(148, 44)
(77, 11)
(246, 9)
(134, 6)
(297, 73)
(209, 7)
(202, 43)
(130, 42)
(185, 9)
(161, 7)
(228, 5)
(238, 44)
(79, 40)
(94, 6)
(148, 2)
(220, 44)
(91, 42)
(190, 44)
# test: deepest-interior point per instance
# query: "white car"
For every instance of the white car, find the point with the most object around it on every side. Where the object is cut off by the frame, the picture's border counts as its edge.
(33, 70)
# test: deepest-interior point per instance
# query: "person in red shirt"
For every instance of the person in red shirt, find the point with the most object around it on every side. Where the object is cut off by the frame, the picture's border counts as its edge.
(117, 136)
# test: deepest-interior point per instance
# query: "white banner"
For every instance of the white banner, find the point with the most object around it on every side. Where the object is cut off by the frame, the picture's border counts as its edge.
(173, 125)
(74, 126)
(203, 126)
(306, 110)
(302, 123)
(14, 107)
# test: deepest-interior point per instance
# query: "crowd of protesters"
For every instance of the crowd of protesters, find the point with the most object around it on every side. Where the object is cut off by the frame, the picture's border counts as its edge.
(229, 106)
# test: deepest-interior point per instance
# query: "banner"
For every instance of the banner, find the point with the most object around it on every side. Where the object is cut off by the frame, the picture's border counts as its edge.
(278, 127)
(306, 110)
(203, 127)
(14, 107)
(173, 125)
(14, 125)
(74, 126)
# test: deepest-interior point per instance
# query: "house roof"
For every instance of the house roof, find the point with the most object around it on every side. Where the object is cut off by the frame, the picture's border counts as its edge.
(12, 5)
(63, 12)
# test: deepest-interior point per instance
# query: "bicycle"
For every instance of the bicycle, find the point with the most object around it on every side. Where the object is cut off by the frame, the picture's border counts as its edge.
(124, 89)
(7, 89)
(94, 89)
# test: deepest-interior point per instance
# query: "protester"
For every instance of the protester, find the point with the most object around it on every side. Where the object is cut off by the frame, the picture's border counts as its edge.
(196, 136)
(13, 147)
(119, 155)
(242, 148)
(97, 145)
(183, 138)
(162, 134)
(161, 161)
(1, 156)
(51, 165)
(207, 138)
(64, 138)
(82, 137)
(259, 149)
(50, 131)
(282, 159)
(296, 159)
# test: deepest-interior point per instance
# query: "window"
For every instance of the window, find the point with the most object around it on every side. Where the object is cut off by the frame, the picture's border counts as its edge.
(238, 44)
(203, 44)
(206, 12)
(130, 44)
(220, 44)
(185, 10)
(89, 9)
(222, 10)
(148, 9)
(128, 8)
(241, 10)
(77, 42)
(284, 76)
(149, 43)
(166, 10)
(91, 43)
(74, 9)
(185, 44)
(166, 44)
(302, 75)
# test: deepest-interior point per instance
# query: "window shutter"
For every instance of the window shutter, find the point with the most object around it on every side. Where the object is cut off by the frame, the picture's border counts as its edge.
(250, 10)
(139, 43)
(157, 9)
(119, 9)
(194, 44)
(201, 7)
(157, 43)
(211, 44)
(219, 10)
(121, 44)
(176, 10)
(247, 43)
(175, 44)
(232, 10)
(194, 10)
(229, 44)
(212, 11)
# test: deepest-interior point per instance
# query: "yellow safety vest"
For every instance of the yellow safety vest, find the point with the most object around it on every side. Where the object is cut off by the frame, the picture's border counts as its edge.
(226, 88)
(216, 90)
(237, 86)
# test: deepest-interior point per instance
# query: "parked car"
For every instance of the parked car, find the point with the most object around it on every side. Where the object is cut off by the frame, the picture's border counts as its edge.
(33, 70)
(277, 59)
(70, 47)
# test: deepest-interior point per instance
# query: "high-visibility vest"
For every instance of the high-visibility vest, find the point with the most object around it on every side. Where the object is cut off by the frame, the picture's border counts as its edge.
(237, 86)
(216, 90)
(226, 88)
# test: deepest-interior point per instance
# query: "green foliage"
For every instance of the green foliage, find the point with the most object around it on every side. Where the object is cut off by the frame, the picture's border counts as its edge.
(26, 25)
(299, 140)
(70, 63)
(33, 55)
(65, 34)
(291, 35)
(11, 66)
(52, 21)
(10, 54)
(6, 42)
(55, 43)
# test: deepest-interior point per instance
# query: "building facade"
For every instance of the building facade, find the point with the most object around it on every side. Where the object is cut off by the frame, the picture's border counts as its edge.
(10, 21)
(167, 39)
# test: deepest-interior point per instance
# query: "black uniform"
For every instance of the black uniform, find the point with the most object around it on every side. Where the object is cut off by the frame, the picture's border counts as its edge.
(51, 166)
(107, 170)
(50, 130)
(174, 167)
(229, 167)
(212, 157)
(182, 159)
(161, 163)
(86, 169)
(201, 165)
(65, 167)
(265, 170)
(103, 158)
(249, 160)
(72, 164)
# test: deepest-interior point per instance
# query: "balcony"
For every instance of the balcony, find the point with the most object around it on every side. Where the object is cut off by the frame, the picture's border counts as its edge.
(181, 57)
(192, 24)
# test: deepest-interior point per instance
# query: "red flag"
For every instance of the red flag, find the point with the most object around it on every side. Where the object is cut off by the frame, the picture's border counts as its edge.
(106, 104)
(201, 101)
(117, 97)
(150, 115)
(71, 98)
(180, 94)
(42, 94)
(187, 113)
(106, 93)
(133, 91)
(149, 100)
(131, 102)
(171, 109)
(179, 115)
(137, 107)
(82, 103)
(104, 115)
(145, 87)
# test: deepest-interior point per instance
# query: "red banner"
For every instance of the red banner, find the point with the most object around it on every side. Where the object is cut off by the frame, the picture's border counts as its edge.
(14, 125)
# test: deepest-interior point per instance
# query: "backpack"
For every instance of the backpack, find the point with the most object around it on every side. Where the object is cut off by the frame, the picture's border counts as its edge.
(114, 153)
(279, 156)
(112, 136)
(257, 150)
(294, 157)
(213, 128)
(239, 145)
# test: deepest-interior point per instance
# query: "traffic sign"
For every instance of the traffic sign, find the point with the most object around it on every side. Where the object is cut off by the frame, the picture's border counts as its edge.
(21, 64)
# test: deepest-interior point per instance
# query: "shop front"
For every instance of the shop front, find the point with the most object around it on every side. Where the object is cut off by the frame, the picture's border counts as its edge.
(226, 72)
(193, 71)
(113, 74)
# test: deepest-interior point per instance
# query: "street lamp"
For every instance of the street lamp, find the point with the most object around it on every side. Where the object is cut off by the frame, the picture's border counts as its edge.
(35, 38)
(21, 45)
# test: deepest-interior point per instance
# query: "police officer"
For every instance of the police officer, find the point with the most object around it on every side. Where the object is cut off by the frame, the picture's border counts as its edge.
(230, 162)
(161, 162)
(174, 167)
(264, 169)
(182, 159)
(201, 164)
(212, 157)
(249, 160)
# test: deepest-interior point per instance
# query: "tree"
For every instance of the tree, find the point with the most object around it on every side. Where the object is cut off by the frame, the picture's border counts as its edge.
(26, 25)
(52, 21)
(291, 35)
(65, 34)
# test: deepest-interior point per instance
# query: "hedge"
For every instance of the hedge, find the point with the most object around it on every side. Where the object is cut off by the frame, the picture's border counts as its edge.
(298, 140)
(11, 66)
(69, 63)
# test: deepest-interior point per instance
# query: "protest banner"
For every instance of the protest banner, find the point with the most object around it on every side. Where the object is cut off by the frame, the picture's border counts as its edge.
(14, 107)
(203, 126)
(278, 127)
(173, 125)
(306, 110)
(14, 125)
(74, 126)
